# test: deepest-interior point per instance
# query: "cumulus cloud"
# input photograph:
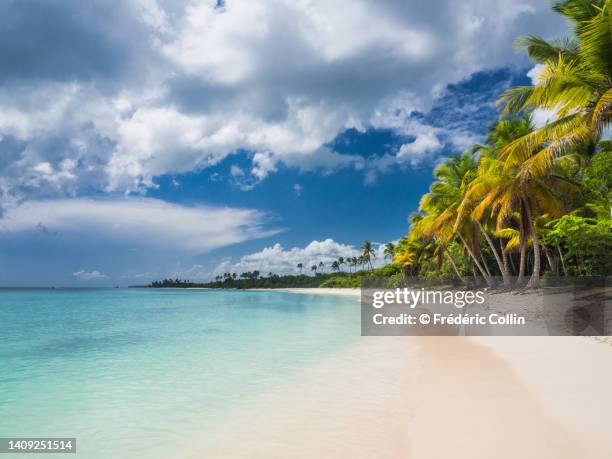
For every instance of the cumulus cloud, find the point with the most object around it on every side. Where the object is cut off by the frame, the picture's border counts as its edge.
(142, 222)
(88, 276)
(423, 145)
(111, 98)
(279, 260)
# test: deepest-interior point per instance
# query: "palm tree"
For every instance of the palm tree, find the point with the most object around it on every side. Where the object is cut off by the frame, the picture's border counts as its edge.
(352, 262)
(321, 265)
(300, 266)
(489, 174)
(503, 194)
(368, 253)
(341, 261)
(362, 261)
(576, 82)
(441, 208)
(314, 269)
(335, 266)
(414, 249)
(389, 250)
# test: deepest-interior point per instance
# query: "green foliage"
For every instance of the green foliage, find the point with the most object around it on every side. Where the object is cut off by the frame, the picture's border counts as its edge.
(254, 280)
(348, 281)
(597, 184)
(587, 242)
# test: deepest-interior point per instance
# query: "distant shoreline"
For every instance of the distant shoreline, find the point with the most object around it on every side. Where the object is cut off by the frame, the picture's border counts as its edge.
(338, 291)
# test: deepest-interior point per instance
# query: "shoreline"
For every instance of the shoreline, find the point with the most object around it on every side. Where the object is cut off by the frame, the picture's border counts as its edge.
(335, 291)
(441, 397)
(434, 397)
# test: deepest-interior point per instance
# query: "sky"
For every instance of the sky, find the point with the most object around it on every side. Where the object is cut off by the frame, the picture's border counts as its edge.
(141, 139)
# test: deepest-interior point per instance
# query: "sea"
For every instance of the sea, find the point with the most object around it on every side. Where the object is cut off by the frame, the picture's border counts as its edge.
(147, 373)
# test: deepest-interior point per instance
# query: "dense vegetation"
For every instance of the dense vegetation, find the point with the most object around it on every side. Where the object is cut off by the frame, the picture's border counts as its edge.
(531, 193)
(529, 201)
(255, 280)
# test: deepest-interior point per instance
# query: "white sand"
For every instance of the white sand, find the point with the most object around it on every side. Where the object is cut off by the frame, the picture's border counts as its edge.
(437, 397)
(323, 291)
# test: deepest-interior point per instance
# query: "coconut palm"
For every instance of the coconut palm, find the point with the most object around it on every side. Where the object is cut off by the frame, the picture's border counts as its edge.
(441, 205)
(362, 260)
(504, 195)
(575, 82)
(314, 268)
(489, 175)
(368, 253)
(389, 250)
(341, 261)
(300, 266)
(335, 266)
(422, 231)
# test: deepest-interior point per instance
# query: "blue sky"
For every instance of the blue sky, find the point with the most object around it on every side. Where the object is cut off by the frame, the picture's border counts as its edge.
(186, 138)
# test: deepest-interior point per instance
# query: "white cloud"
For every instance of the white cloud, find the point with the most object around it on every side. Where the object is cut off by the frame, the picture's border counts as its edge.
(535, 73)
(279, 260)
(236, 171)
(540, 116)
(297, 189)
(424, 146)
(87, 276)
(278, 78)
(137, 223)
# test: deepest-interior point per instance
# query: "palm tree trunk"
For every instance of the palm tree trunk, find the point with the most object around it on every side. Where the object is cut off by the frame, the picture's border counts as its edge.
(522, 248)
(522, 260)
(535, 275)
(562, 260)
(484, 263)
(505, 261)
(554, 266)
(450, 257)
(476, 262)
(503, 265)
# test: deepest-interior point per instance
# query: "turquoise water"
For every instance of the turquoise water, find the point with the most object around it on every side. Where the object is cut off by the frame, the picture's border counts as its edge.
(137, 373)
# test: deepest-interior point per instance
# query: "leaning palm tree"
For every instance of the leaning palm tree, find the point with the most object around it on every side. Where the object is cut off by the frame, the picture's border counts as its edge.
(368, 253)
(488, 176)
(314, 268)
(300, 266)
(441, 208)
(505, 195)
(422, 230)
(575, 82)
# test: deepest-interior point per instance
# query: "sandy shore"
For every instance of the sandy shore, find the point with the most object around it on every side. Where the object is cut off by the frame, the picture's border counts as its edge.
(319, 291)
(436, 397)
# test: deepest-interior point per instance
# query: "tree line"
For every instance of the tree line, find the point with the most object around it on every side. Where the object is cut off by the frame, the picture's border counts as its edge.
(531, 199)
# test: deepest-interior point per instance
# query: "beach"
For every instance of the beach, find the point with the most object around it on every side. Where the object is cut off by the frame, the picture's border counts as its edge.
(435, 397)
(159, 373)
(346, 292)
